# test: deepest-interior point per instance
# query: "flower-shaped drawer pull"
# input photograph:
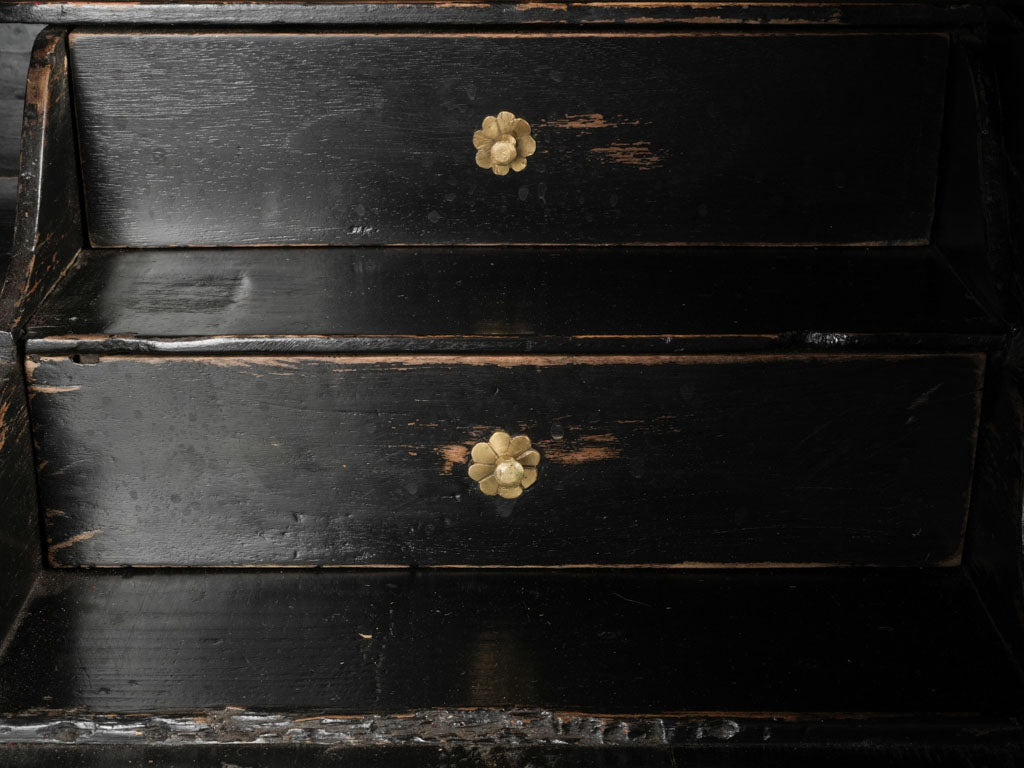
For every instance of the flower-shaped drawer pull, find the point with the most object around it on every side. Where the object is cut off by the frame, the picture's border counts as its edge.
(505, 142)
(504, 466)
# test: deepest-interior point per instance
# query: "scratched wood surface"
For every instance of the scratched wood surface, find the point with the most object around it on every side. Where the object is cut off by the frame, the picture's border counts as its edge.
(245, 138)
(361, 460)
(505, 298)
(838, 641)
(48, 226)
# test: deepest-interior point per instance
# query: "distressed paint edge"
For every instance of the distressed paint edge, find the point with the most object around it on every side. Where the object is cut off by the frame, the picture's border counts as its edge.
(951, 562)
(587, 344)
(452, 728)
(839, 13)
(33, 363)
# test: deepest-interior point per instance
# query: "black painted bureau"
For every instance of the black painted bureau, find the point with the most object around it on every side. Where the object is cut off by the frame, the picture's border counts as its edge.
(507, 385)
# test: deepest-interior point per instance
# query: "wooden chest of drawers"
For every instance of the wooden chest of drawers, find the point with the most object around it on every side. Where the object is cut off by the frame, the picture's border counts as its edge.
(494, 390)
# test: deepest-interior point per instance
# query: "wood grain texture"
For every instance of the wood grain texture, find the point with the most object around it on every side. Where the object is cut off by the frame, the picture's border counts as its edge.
(839, 642)
(20, 543)
(231, 139)
(48, 226)
(506, 299)
(840, 13)
(856, 459)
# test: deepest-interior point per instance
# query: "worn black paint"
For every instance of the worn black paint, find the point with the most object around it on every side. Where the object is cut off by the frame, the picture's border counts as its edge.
(518, 297)
(609, 642)
(359, 460)
(230, 139)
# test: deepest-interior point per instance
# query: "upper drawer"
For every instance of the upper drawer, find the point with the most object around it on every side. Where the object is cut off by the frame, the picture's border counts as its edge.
(221, 138)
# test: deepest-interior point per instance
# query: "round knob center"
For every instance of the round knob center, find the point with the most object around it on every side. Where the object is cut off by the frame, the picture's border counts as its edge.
(503, 152)
(509, 472)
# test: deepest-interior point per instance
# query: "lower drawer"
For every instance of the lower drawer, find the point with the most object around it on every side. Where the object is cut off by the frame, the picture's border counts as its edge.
(697, 460)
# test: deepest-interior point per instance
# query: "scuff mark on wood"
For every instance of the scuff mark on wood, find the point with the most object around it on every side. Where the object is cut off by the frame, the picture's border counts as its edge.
(666, 417)
(453, 454)
(52, 390)
(581, 450)
(560, 7)
(587, 123)
(835, 16)
(4, 422)
(638, 154)
(925, 397)
(69, 542)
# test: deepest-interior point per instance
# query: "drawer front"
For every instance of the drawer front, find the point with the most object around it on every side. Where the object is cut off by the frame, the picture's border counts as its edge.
(248, 138)
(804, 459)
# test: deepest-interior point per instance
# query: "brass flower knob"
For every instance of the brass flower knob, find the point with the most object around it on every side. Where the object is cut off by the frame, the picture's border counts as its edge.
(504, 466)
(505, 142)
